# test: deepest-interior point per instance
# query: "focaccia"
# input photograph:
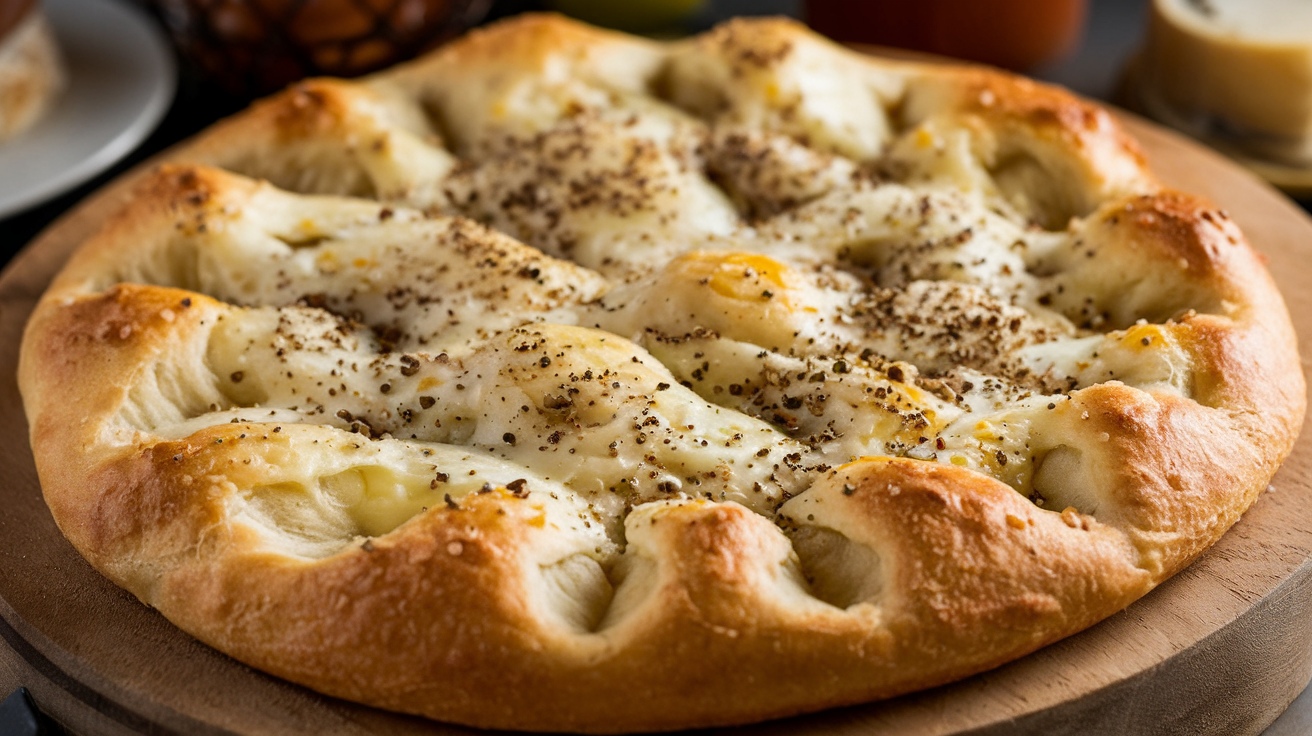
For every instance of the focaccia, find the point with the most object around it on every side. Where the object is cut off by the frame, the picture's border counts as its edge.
(565, 380)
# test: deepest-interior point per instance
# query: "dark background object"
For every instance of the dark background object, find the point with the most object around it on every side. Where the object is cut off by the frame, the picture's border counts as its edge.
(253, 47)
(11, 12)
(19, 717)
(1013, 34)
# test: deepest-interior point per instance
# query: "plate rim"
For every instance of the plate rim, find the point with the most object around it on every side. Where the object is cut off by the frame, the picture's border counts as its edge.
(124, 139)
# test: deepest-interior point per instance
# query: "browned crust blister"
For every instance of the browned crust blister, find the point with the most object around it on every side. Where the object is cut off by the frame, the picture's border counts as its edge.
(884, 575)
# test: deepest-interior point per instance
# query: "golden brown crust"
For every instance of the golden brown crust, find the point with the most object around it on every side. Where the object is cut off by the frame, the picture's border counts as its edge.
(227, 424)
(1042, 121)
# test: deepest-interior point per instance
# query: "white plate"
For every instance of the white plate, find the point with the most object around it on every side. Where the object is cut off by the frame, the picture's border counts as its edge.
(121, 79)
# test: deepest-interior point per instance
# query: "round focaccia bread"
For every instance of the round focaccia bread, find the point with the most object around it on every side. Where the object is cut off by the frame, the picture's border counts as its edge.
(563, 380)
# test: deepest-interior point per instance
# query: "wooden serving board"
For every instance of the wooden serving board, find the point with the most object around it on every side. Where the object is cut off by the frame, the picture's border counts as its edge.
(1222, 648)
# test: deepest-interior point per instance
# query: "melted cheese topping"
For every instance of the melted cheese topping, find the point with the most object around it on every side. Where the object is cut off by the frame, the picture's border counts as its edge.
(625, 300)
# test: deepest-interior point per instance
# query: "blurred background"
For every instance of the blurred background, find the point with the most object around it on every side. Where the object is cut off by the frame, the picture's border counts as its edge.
(256, 46)
(230, 52)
